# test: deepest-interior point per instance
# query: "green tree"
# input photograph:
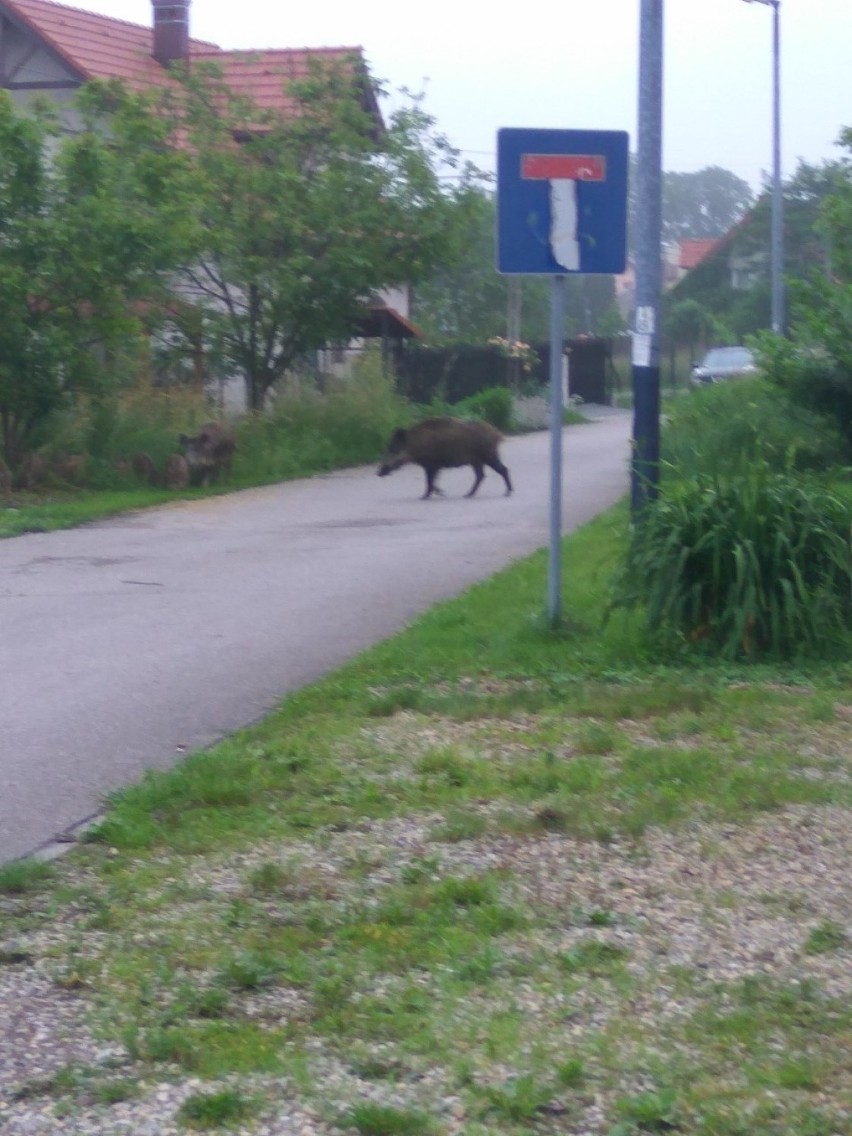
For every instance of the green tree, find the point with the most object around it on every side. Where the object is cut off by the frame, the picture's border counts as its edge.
(814, 365)
(686, 324)
(809, 246)
(704, 203)
(84, 239)
(466, 299)
(701, 204)
(300, 219)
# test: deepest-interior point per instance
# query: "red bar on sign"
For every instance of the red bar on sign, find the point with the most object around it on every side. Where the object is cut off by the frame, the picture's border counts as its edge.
(578, 167)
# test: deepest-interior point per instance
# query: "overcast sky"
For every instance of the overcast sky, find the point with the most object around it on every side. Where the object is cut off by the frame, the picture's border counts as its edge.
(573, 65)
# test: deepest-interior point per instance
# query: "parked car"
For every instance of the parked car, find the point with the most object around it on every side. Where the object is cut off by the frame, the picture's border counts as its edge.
(723, 363)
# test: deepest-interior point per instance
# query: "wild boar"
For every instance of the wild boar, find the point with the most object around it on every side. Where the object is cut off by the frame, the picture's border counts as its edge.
(175, 472)
(32, 472)
(70, 468)
(209, 453)
(444, 443)
(143, 467)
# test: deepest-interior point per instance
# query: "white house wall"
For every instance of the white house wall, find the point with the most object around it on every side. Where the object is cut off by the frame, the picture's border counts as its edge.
(25, 61)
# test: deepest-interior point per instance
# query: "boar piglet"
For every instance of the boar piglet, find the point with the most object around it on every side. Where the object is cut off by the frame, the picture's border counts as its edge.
(444, 443)
(209, 452)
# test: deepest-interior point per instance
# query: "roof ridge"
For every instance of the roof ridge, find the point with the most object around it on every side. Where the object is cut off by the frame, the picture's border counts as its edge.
(21, 7)
(308, 50)
(85, 11)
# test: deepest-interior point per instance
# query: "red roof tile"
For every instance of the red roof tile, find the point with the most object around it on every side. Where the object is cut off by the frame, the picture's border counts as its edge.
(263, 75)
(98, 47)
(102, 47)
(692, 252)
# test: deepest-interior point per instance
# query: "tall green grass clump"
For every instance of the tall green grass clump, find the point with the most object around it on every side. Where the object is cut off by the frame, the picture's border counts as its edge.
(749, 565)
(308, 430)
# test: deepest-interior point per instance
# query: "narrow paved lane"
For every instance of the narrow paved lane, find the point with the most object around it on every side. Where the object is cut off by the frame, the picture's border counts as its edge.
(128, 642)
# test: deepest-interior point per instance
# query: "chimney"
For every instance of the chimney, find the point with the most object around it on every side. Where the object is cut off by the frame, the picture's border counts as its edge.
(171, 31)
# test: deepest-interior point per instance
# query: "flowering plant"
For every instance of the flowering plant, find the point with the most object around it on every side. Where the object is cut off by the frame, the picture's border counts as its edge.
(516, 349)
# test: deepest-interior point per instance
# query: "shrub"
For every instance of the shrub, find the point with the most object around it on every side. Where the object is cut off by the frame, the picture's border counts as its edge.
(815, 367)
(730, 426)
(308, 430)
(493, 405)
(748, 565)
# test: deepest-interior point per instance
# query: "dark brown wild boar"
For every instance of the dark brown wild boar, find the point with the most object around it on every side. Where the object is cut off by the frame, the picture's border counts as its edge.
(69, 467)
(31, 472)
(444, 443)
(143, 467)
(210, 452)
(176, 472)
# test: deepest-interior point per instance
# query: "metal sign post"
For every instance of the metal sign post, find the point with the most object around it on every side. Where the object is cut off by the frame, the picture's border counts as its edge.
(561, 210)
(557, 325)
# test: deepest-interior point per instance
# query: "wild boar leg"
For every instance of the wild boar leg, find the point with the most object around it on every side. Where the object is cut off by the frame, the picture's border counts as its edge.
(498, 467)
(480, 473)
(431, 487)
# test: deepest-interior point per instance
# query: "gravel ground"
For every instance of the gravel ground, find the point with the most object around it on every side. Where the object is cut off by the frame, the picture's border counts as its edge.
(724, 902)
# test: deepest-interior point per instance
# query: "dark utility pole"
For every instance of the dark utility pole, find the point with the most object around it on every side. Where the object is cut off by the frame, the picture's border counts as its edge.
(645, 470)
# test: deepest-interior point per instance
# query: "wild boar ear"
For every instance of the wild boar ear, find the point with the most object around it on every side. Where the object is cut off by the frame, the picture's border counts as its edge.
(399, 435)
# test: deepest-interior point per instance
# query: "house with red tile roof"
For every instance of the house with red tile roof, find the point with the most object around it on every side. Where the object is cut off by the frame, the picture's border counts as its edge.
(52, 49)
(692, 252)
(744, 262)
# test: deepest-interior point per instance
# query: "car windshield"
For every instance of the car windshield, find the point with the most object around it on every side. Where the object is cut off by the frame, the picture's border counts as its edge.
(729, 357)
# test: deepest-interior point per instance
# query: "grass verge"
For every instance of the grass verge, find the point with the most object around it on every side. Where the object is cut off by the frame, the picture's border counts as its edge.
(485, 879)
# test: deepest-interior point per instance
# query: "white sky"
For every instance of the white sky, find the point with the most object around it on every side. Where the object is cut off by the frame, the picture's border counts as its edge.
(573, 65)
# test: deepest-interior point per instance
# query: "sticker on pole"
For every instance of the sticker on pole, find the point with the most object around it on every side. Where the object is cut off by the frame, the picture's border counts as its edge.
(561, 201)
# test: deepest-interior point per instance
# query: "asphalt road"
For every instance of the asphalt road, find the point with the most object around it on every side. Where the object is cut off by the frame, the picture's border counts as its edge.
(129, 642)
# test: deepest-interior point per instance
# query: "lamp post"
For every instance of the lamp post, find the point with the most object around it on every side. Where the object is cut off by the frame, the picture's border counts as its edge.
(777, 199)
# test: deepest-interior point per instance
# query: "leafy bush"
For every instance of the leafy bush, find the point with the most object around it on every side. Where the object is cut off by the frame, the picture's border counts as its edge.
(731, 426)
(493, 405)
(816, 374)
(746, 565)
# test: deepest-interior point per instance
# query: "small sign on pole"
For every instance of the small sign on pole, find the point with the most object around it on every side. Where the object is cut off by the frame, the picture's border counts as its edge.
(561, 211)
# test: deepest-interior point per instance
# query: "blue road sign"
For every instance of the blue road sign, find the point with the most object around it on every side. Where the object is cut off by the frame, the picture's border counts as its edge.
(561, 201)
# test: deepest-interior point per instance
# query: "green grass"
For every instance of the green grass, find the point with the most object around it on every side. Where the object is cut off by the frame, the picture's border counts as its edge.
(382, 1120)
(63, 511)
(828, 936)
(442, 874)
(21, 876)
(212, 1110)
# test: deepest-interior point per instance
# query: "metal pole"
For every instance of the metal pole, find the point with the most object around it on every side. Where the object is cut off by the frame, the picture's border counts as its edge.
(557, 325)
(777, 237)
(777, 196)
(645, 470)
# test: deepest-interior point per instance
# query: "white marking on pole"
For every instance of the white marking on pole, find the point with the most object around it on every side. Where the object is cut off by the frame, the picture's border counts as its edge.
(641, 354)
